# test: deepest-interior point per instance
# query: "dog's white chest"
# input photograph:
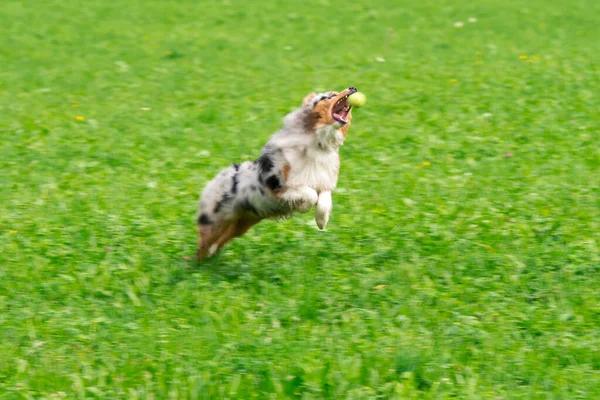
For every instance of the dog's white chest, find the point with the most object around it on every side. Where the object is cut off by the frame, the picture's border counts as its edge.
(313, 167)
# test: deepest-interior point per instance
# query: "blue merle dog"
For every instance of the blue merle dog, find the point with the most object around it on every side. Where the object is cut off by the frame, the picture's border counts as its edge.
(298, 169)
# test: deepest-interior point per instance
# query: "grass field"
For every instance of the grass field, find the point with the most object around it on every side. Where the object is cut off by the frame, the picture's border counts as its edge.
(462, 259)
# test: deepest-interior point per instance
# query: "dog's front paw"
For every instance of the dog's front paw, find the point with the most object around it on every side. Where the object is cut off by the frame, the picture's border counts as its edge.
(304, 207)
(307, 199)
(321, 218)
(324, 206)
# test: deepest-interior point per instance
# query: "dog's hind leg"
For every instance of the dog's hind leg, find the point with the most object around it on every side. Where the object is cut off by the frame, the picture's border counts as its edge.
(234, 230)
(205, 233)
(209, 234)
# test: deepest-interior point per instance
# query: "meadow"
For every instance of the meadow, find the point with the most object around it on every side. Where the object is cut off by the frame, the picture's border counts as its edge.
(462, 258)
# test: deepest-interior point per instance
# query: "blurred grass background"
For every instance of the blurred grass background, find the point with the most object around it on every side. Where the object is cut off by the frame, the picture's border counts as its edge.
(462, 257)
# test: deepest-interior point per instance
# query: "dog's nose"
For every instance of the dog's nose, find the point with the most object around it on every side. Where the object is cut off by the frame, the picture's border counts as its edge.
(353, 89)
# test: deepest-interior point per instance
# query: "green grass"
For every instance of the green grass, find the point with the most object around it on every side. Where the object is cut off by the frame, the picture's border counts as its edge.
(462, 259)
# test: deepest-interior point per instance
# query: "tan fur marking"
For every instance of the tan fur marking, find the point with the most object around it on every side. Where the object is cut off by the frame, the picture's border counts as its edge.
(344, 129)
(323, 110)
(321, 114)
(286, 171)
(278, 193)
(308, 98)
(236, 229)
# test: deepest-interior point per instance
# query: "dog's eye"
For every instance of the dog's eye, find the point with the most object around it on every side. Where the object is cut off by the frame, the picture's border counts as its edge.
(325, 96)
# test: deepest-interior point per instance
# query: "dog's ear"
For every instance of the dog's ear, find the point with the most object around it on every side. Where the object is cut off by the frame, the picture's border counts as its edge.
(308, 98)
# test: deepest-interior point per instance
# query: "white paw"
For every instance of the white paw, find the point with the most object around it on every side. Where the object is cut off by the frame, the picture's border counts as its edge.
(303, 207)
(321, 218)
(213, 250)
(307, 199)
(324, 206)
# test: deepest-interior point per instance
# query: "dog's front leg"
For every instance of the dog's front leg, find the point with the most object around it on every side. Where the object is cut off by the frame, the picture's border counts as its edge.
(324, 206)
(301, 199)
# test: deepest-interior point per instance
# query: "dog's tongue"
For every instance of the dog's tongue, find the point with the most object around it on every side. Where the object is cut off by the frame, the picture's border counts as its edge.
(343, 113)
(341, 110)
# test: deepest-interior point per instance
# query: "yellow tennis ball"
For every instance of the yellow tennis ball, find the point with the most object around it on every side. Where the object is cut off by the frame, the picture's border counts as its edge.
(357, 99)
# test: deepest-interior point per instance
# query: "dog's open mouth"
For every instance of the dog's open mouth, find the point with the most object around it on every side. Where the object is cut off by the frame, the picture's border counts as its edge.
(341, 108)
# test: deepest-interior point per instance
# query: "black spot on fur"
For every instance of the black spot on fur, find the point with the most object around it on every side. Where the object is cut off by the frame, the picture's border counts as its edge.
(235, 178)
(204, 219)
(226, 198)
(273, 182)
(253, 188)
(265, 163)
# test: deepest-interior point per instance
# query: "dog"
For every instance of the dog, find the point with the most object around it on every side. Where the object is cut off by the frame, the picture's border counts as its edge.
(298, 169)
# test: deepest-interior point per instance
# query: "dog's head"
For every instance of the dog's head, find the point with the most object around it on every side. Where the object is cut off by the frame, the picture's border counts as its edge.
(328, 109)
